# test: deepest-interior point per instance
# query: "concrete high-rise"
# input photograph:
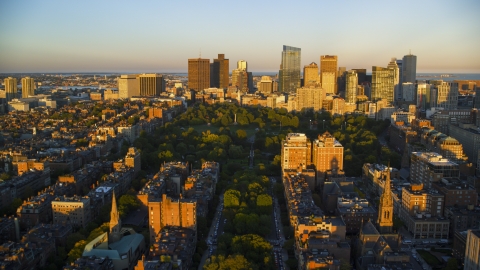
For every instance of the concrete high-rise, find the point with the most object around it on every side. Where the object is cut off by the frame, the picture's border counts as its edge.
(240, 79)
(28, 87)
(328, 64)
(220, 78)
(296, 152)
(351, 86)
(198, 74)
(151, 84)
(289, 73)
(382, 84)
(128, 86)
(310, 75)
(10, 88)
(310, 98)
(446, 94)
(409, 68)
(242, 65)
(396, 79)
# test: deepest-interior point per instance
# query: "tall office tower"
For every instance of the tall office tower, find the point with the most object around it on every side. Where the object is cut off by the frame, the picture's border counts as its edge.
(400, 70)
(219, 72)
(198, 74)
(128, 86)
(385, 208)
(328, 64)
(151, 84)
(351, 86)
(28, 87)
(341, 77)
(472, 250)
(240, 79)
(382, 84)
(396, 79)
(409, 68)
(289, 73)
(327, 154)
(310, 98)
(408, 92)
(423, 96)
(266, 85)
(296, 151)
(447, 95)
(310, 74)
(242, 65)
(362, 75)
(10, 88)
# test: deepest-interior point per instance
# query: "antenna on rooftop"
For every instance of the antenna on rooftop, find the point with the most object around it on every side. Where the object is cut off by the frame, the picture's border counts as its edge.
(200, 53)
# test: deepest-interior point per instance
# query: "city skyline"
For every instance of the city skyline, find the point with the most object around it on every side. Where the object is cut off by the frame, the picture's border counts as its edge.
(88, 36)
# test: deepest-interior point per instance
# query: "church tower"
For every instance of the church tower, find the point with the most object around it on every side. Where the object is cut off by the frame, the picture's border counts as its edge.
(115, 222)
(385, 207)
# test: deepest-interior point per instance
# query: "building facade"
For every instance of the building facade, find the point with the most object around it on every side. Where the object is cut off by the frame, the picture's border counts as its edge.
(10, 88)
(151, 84)
(310, 98)
(296, 151)
(429, 167)
(328, 72)
(351, 86)
(220, 78)
(289, 73)
(71, 210)
(310, 74)
(409, 68)
(28, 87)
(327, 154)
(128, 86)
(472, 250)
(198, 74)
(382, 84)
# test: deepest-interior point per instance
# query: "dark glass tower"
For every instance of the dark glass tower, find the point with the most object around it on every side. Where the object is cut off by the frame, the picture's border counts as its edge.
(289, 74)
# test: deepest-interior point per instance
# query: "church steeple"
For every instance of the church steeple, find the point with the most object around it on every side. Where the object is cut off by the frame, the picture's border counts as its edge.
(115, 222)
(385, 206)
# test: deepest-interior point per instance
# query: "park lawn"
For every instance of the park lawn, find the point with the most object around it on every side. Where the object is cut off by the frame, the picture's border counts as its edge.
(428, 257)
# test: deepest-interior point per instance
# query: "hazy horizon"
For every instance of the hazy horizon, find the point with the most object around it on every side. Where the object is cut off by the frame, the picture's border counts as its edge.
(56, 36)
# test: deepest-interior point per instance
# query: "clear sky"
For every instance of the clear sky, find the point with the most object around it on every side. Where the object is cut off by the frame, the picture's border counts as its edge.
(159, 36)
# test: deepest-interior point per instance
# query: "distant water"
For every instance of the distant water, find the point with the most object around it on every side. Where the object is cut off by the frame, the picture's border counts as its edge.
(448, 76)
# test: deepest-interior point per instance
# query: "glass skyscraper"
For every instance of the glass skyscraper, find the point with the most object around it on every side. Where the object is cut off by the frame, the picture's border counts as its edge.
(289, 74)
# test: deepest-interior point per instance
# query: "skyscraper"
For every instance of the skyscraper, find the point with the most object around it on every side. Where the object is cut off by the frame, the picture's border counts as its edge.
(382, 84)
(151, 84)
(446, 95)
(266, 85)
(289, 74)
(385, 207)
(128, 86)
(409, 68)
(396, 79)
(198, 74)
(310, 74)
(351, 87)
(10, 88)
(310, 98)
(220, 72)
(242, 64)
(328, 64)
(28, 87)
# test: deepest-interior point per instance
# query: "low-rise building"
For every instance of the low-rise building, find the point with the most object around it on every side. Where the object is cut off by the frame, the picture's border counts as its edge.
(71, 210)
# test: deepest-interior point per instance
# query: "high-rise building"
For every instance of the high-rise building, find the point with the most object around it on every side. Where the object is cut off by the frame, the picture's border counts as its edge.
(385, 208)
(328, 64)
(362, 75)
(382, 84)
(409, 68)
(296, 152)
(151, 84)
(327, 154)
(266, 85)
(341, 77)
(28, 87)
(289, 73)
(408, 92)
(240, 79)
(310, 98)
(310, 74)
(396, 79)
(446, 95)
(400, 70)
(128, 86)
(423, 96)
(472, 250)
(351, 86)
(219, 75)
(242, 65)
(198, 74)
(10, 88)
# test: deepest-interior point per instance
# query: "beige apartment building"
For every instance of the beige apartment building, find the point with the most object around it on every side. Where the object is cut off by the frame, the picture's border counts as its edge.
(28, 87)
(296, 151)
(327, 154)
(310, 75)
(310, 98)
(72, 210)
